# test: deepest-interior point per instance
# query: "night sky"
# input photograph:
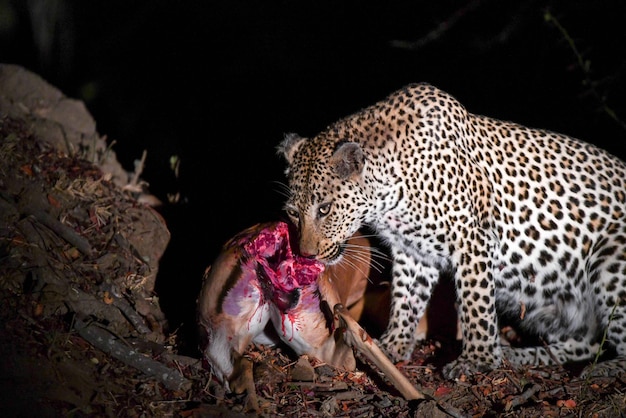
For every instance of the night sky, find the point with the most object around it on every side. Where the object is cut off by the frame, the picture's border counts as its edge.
(219, 83)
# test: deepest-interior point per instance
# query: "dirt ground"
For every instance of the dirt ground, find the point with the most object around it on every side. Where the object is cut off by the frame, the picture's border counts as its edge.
(82, 333)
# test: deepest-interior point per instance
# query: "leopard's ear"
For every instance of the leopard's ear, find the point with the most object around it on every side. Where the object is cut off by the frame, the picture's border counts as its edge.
(348, 160)
(289, 145)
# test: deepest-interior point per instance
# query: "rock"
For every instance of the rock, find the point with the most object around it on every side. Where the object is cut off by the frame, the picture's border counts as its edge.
(62, 122)
(302, 371)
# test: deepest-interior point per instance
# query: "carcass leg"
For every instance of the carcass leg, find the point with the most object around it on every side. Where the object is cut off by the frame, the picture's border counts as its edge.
(360, 340)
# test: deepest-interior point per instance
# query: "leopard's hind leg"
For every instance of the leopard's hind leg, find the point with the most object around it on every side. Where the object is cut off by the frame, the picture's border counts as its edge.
(607, 278)
(565, 350)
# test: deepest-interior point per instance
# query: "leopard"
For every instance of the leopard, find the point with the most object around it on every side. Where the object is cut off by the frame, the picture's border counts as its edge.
(528, 223)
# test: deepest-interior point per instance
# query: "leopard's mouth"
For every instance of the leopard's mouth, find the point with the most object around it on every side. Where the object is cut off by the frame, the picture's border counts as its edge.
(334, 256)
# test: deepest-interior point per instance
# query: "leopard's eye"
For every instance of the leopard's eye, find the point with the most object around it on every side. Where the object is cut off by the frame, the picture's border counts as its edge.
(324, 209)
(292, 213)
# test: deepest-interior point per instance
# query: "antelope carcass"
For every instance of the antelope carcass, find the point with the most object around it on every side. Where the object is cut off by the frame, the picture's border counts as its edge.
(258, 288)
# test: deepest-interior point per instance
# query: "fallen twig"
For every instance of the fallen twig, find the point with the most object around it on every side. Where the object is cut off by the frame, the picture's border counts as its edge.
(64, 231)
(129, 313)
(108, 343)
(523, 398)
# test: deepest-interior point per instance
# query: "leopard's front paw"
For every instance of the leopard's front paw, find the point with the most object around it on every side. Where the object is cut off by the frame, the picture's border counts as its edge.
(395, 348)
(608, 368)
(464, 366)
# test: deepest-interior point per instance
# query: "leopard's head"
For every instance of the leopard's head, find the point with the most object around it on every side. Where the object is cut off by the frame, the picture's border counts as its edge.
(326, 198)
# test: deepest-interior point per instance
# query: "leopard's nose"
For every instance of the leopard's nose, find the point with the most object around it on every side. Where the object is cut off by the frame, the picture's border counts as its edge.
(307, 249)
(307, 254)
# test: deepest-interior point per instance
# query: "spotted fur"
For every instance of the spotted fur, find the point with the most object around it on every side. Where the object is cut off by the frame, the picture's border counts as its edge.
(530, 223)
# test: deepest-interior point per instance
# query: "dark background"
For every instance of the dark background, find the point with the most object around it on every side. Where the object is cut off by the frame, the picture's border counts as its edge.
(218, 84)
